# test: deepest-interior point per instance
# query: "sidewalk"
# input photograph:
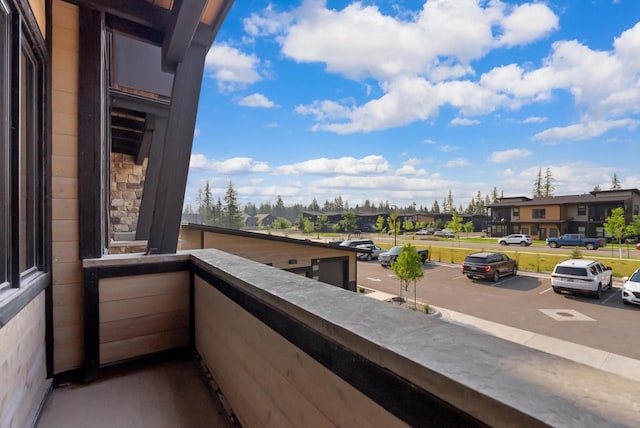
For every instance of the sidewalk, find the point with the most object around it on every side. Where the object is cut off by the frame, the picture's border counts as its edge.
(607, 361)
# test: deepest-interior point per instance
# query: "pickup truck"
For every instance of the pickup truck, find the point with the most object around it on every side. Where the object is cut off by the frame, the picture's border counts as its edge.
(575, 240)
(388, 257)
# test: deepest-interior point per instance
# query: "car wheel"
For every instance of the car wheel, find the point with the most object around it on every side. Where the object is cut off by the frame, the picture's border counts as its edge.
(369, 257)
(514, 272)
(496, 276)
(557, 290)
(503, 243)
(553, 245)
(523, 244)
(590, 246)
(598, 293)
(470, 276)
(610, 285)
(624, 302)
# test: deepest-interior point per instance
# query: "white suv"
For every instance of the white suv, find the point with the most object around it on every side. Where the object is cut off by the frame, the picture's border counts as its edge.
(581, 276)
(518, 239)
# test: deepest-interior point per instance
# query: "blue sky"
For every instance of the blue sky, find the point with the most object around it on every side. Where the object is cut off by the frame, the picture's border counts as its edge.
(404, 101)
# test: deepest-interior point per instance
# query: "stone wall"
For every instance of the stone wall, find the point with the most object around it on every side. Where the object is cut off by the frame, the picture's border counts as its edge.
(127, 182)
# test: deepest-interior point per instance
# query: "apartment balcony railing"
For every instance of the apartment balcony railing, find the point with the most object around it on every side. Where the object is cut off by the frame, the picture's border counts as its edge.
(290, 351)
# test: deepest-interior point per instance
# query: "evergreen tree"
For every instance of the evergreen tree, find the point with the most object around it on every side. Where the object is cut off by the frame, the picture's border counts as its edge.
(217, 214)
(232, 213)
(435, 208)
(494, 196)
(279, 209)
(250, 209)
(615, 183)
(313, 206)
(596, 188)
(265, 208)
(537, 185)
(548, 187)
(450, 204)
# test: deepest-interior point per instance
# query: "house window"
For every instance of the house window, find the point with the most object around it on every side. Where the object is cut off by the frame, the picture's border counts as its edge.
(4, 144)
(539, 213)
(22, 142)
(636, 211)
(582, 210)
(516, 212)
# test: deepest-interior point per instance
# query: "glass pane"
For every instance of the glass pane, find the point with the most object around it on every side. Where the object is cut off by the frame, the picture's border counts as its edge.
(4, 143)
(27, 190)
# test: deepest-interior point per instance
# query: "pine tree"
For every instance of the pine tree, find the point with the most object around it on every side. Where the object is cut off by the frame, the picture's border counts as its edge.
(232, 212)
(548, 187)
(494, 196)
(615, 183)
(435, 208)
(450, 204)
(313, 206)
(537, 185)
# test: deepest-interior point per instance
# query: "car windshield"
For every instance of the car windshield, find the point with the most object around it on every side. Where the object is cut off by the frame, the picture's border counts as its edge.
(569, 270)
(635, 277)
(395, 250)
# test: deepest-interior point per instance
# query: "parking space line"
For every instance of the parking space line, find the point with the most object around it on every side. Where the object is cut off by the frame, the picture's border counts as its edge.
(610, 297)
(548, 289)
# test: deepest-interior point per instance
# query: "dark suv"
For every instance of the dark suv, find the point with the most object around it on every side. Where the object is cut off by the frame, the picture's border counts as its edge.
(489, 266)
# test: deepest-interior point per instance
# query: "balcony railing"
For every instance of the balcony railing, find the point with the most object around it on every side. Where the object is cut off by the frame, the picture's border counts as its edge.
(291, 351)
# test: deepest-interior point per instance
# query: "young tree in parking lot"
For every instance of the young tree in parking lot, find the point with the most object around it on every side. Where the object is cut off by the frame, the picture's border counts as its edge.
(455, 225)
(408, 225)
(616, 226)
(322, 224)
(408, 268)
(393, 223)
(468, 227)
(349, 222)
(379, 227)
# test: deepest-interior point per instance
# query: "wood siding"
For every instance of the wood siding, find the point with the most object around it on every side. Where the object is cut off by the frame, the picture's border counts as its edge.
(267, 380)
(264, 250)
(552, 212)
(22, 366)
(67, 269)
(143, 314)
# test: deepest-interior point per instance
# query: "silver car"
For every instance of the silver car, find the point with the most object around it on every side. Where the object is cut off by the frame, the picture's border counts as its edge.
(517, 239)
(631, 289)
(372, 253)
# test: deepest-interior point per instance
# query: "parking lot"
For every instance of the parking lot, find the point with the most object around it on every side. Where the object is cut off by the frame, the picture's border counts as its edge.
(525, 301)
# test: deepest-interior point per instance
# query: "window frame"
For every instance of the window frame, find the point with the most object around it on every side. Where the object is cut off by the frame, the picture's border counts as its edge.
(24, 184)
(538, 213)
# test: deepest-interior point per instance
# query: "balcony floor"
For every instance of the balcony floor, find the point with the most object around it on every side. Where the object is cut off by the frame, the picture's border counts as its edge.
(169, 393)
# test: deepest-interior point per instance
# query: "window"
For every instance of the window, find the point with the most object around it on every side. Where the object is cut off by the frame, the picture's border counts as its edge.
(22, 143)
(636, 210)
(582, 210)
(539, 213)
(4, 144)
(516, 212)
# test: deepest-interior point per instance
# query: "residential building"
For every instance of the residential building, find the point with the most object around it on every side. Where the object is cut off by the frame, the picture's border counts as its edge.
(553, 216)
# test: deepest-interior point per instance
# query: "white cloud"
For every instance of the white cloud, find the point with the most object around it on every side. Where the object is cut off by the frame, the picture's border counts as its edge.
(231, 68)
(583, 131)
(372, 164)
(508, 155)
(230, 166)
(447, 148)
(463, 121)
(256, 100)
(535, 119)
(457, 162)
(527, 22)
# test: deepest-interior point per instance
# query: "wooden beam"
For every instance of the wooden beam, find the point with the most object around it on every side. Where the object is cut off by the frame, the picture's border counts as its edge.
(165, 226)
(91, 164)
(138, 11)
(127, 101)
(185, 16)
(147, 138)
(150, 190)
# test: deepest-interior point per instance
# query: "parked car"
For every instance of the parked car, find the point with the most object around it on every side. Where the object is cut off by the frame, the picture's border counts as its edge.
(631, 289)
(489, 266)
(427, 231)
(576, 240)
(373, 251)
(444, 233)
(581, 276)
(356, 242)
(387, 257)
(518, 239)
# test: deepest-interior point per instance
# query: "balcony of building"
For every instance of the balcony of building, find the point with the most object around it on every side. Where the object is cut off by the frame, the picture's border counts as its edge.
(166, 336)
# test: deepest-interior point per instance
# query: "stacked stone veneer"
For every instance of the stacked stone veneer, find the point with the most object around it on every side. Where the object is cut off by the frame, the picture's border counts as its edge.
(127, 182)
